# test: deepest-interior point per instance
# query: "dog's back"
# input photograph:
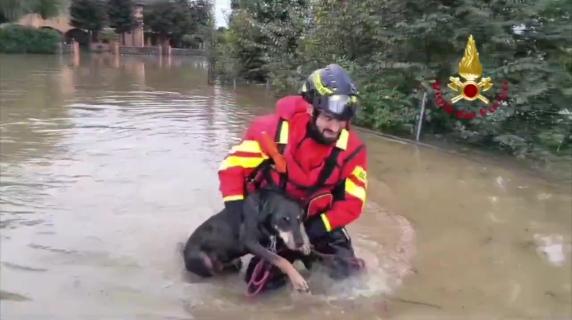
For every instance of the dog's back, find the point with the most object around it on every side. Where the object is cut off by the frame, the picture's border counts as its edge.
(211, 245)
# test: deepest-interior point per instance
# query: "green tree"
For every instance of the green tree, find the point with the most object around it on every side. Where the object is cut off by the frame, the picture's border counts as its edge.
(19, 39)
(175, 19)
(264, 35)
(167, 19)
(12, 10)
(88, 15)
(396, 48)
(518, 41)
(201, 13)
(120, 14)
(47, 8)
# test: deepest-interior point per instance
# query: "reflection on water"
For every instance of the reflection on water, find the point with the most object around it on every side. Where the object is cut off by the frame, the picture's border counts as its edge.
(107, 164)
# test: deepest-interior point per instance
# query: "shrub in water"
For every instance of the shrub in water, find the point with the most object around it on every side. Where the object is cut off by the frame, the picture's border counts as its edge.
(19, 39)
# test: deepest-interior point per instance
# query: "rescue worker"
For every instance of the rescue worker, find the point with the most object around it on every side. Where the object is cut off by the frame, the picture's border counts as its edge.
(326, 165)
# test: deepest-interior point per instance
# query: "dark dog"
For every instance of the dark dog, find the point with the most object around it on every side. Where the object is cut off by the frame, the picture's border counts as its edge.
(217, 244)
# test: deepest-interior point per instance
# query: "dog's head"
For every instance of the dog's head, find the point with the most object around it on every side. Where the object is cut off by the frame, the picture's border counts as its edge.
(285, 217)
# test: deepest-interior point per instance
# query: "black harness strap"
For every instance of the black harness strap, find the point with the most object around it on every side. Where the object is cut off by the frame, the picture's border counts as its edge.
(327, 170)
(331, 163)
(262, 167)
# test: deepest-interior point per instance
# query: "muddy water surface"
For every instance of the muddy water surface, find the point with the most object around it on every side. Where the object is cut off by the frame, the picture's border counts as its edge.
(108, 165)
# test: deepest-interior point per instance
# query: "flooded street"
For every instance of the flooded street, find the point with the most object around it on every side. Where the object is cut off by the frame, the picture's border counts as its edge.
(107, 166)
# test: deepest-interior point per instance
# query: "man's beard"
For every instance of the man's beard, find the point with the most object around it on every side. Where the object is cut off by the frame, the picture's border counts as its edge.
(315, 134)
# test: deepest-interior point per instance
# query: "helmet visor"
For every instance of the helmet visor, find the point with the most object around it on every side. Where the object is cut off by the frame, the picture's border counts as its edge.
(337, 104)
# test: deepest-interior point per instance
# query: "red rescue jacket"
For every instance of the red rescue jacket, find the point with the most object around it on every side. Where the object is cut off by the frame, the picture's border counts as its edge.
(306, 179)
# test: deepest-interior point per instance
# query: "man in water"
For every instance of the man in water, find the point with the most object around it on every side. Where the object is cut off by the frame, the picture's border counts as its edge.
(326, 166)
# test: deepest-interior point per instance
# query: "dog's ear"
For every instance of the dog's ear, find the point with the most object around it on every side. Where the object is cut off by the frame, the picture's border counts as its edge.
(263, 195)
(251, 213)
(271, 188)
(255, 203)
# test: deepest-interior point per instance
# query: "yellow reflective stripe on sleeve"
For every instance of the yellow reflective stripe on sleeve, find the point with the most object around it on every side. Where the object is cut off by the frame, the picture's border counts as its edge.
(326, 222)
(247, 146)
(342, 142)
(233, 198)
(284, 131)
(244, 162)
(360, 174)
(355, 190)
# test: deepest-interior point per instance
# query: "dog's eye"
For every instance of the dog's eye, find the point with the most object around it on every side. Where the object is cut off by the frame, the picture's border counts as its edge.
(286, 219)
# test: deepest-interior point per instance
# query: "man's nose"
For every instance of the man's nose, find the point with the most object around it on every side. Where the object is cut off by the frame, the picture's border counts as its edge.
(333, 126)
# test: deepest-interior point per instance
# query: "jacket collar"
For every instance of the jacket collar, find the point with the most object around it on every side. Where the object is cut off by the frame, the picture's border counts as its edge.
(342, 142)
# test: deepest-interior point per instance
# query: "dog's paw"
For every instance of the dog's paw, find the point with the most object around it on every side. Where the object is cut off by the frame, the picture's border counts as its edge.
(304, 291)
(306, 249)
(299, 283)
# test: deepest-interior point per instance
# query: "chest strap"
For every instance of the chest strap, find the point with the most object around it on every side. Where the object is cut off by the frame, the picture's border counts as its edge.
(326, 171)
(329, 167)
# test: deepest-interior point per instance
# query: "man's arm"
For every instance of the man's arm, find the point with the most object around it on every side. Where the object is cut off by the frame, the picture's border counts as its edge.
(349, 208)
(242, 159)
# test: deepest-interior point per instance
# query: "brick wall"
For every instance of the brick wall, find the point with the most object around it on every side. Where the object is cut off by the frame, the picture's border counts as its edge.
(140, 50)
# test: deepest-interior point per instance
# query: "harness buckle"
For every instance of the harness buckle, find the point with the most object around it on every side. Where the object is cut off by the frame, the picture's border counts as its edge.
(272, 246)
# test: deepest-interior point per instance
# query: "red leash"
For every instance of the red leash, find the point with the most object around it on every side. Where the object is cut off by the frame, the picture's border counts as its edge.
(257, 282)
(261, 271)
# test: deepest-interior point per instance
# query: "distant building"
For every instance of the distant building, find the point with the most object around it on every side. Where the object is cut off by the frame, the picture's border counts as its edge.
(61, 24)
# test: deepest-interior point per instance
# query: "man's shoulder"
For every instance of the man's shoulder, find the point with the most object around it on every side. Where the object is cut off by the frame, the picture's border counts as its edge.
(263, 123)
(355, 143)
(290, 106)
(355, 153)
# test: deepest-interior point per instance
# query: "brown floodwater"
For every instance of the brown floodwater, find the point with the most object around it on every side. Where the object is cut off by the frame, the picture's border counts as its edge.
(107, 164)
